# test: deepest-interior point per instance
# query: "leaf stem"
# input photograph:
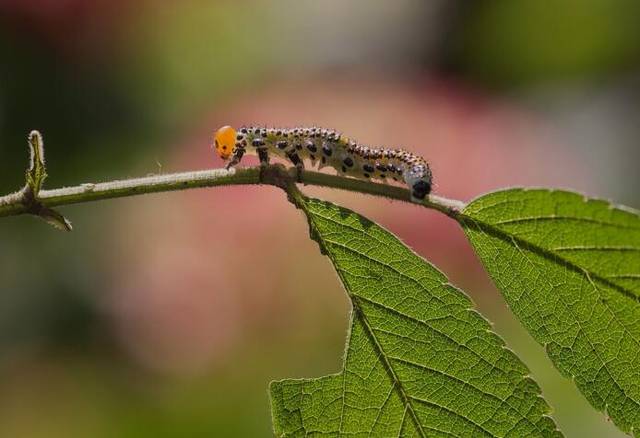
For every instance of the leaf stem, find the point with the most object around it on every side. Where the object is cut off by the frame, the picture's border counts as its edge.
(277, 175)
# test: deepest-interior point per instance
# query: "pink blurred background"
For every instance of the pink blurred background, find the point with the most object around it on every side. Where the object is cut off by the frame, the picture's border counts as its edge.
(167, 315)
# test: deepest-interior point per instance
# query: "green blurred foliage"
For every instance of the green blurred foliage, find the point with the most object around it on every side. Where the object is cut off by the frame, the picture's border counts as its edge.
(105, 108)
(522, 43)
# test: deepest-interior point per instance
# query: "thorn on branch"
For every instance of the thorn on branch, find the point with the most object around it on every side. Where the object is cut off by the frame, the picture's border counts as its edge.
(35, 176)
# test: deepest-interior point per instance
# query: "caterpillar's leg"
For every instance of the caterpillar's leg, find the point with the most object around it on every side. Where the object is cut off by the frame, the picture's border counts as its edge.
(295, 159)
(382, 169)
(263, 155)
(235, 159)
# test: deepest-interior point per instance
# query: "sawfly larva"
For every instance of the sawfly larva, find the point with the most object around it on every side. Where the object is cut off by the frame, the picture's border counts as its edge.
(324, 147)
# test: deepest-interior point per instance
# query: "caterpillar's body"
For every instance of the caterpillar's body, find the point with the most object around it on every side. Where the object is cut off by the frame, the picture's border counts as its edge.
(325, 147)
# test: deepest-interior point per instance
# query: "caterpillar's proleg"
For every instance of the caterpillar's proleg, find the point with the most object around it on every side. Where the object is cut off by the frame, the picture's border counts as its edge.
(297, 161)
(263, 156)
(323, 148)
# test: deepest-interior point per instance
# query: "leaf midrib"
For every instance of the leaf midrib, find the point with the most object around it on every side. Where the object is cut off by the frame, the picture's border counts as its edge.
(553, 257)
(493, 230)
(358, 313)
(570, 310)
(554, 217)
(390, 370)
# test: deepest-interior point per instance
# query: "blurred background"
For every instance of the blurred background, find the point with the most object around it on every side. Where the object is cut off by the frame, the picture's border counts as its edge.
(139, 323)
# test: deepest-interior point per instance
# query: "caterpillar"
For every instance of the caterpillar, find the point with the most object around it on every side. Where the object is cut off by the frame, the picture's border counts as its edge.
(325, 147)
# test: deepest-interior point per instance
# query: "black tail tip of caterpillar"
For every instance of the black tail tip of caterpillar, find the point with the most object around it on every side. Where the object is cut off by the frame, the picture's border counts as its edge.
(224, 141)
(420, 189)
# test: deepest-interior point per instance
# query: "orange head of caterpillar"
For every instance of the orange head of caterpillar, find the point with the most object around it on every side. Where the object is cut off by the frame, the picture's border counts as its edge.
(224, 141)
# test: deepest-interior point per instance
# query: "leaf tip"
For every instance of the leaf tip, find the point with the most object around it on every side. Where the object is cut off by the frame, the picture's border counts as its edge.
(36, 172)
(55, 219)
(36, 146)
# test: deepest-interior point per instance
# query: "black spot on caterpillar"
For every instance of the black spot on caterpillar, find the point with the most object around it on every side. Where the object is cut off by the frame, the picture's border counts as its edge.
(344, 155)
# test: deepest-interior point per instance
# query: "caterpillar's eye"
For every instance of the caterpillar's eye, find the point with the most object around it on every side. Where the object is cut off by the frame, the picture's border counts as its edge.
(224, 141)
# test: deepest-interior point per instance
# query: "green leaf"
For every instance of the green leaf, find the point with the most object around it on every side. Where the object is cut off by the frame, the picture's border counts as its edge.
(55, 219)
(569, 268)
(37, 172)
(35, 175)
(419, 360)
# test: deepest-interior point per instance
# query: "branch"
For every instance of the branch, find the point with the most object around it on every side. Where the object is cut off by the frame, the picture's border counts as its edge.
(41, 202)
(11, 205)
